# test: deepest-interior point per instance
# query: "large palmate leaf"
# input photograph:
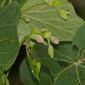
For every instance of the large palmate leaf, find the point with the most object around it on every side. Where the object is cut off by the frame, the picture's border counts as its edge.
(63, 53)
(39, 52)
(72, 75)
(28, 79)
(79, 38)
(67, 65)
(9, 45)
(42, 16)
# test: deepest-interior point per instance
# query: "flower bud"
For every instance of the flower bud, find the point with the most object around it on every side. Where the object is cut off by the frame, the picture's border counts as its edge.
(54, 40)
(39, 39)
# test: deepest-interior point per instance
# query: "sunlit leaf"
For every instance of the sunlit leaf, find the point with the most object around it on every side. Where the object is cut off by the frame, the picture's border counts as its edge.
(43, 16)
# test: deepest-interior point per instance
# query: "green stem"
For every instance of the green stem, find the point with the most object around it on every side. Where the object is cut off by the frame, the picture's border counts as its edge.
(77, 73)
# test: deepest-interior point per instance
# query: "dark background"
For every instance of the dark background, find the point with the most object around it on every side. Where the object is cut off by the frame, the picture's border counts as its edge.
(79, 6)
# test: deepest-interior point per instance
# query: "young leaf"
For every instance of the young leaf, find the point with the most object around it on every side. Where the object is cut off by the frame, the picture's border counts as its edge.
(63, 14)
(34, 31)
(46, 33)
(57, 4)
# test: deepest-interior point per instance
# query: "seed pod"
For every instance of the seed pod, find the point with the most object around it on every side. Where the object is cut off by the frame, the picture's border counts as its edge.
(51, 51)
(54, 40)
(39, 39)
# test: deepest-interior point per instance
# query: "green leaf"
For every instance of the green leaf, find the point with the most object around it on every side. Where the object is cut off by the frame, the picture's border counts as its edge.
(9, 44)
(34, 31)
(68, 76)
(46, 33)
(40, 52)
(50, 2)
(72, 75)
(57, 3)
(42, 16)
(67, 53)
(63, 53)
(23, 30)
(79, 39)
(71, 68)
(21, 2)
(1, 73)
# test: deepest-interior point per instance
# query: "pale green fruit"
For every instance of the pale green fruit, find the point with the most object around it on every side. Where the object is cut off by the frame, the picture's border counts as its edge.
(51, 51)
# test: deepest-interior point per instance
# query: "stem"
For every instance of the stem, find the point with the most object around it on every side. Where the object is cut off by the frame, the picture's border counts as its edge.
(78, 75)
